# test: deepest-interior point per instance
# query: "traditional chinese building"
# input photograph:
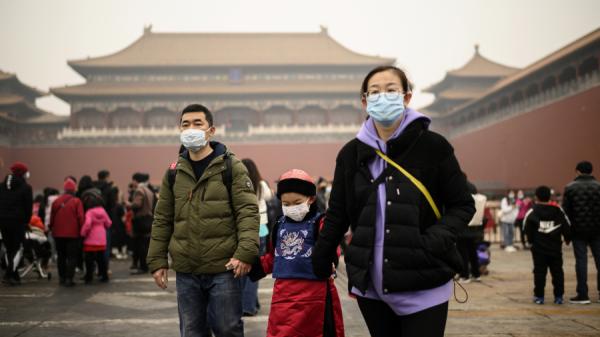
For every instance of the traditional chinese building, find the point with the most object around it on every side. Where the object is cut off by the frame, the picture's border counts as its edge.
(21, 122)
(533, 126)
(248, 80)
(283, 99)
(465, 84)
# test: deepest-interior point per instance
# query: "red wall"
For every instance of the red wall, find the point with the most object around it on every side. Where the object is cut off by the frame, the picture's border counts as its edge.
(539, 147)
(50, 165)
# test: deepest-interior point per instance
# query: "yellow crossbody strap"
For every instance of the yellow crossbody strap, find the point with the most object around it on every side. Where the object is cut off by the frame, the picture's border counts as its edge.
(415, 181)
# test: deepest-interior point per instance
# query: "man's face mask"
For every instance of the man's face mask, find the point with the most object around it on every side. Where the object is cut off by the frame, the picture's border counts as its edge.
(193, 139)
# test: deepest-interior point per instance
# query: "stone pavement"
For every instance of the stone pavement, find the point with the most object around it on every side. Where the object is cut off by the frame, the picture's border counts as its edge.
(133, 306)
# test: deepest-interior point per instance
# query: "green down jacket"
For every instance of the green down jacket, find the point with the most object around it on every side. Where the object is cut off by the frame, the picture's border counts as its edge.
(193, 221)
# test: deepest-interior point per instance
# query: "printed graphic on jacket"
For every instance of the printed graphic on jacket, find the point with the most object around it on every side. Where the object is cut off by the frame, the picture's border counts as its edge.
(292, 244)
(293, 249)
(547, 227)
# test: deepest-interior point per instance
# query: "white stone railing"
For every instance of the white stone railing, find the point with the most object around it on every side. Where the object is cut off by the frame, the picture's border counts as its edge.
(261, 130)
(544, 98)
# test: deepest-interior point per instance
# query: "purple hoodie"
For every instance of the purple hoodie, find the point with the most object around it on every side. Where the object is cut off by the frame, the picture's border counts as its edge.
(408, 302)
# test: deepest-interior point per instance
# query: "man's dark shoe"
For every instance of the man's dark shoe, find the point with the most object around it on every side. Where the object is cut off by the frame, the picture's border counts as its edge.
(69, 283)
(580, 300)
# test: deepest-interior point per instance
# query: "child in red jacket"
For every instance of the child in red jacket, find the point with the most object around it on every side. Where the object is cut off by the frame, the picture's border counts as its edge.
(94, 242)
(302, 304)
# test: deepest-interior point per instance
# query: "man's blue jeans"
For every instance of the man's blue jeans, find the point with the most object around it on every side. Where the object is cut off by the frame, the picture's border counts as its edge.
(508, 233)
(209, 300)
(580, 250)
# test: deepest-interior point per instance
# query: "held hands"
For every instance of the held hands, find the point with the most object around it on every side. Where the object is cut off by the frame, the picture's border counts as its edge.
(161, 277)
(238, 267)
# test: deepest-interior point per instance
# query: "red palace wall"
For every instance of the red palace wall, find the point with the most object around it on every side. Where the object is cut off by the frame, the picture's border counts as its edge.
(539, 147)
(50, 165)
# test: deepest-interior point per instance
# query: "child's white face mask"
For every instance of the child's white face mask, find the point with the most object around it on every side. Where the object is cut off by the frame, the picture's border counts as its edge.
(296, 212)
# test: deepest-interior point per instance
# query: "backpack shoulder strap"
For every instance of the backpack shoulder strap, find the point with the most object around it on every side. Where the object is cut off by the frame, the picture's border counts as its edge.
(227, 176)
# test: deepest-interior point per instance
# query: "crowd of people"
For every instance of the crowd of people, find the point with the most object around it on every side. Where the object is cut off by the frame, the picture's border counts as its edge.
(80, 229)
(404, 212)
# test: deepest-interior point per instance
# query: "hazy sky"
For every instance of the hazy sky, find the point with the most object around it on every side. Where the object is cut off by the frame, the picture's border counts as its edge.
(426, 37)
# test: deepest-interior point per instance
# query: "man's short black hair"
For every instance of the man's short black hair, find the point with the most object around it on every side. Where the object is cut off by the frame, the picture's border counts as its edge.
(140, 177)
(103, 174)
(584, 167)
(198, 108)
(543, 193)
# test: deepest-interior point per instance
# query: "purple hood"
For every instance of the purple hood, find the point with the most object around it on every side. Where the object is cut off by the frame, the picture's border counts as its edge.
(368, 134)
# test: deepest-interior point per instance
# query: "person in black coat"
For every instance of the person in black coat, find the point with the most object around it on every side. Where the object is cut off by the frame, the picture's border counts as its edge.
(581, 202)
(402, 258)
(16, 204)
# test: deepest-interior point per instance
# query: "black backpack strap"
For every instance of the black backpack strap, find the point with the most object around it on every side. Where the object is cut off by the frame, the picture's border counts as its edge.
(227, 176)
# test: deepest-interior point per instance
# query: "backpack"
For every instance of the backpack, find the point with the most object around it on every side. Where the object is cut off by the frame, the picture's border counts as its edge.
(227, 177)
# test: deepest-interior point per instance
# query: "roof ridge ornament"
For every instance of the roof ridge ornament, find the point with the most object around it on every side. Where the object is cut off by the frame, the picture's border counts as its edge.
(477, 48)
(324, 29)
(148, 29)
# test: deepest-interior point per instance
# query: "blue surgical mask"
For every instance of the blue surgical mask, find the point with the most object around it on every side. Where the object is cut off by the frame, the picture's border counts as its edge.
(193, 139)
(384, 111)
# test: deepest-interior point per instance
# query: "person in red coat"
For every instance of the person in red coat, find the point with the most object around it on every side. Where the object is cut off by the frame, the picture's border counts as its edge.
(66, 219)
(302, 303)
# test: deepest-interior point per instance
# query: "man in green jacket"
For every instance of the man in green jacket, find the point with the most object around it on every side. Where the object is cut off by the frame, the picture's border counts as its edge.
(212, 236)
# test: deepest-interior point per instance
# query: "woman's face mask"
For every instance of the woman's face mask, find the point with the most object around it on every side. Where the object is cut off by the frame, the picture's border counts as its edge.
(193, 139)
(296, 212)
(386, 111)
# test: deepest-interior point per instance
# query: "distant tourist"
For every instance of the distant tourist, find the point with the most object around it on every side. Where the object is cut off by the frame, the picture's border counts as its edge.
(469, 239)
(581, 202)
(66, 220)
(509, 212)
(142, 206)
(16, 206)
(545, 224)
(250, 304)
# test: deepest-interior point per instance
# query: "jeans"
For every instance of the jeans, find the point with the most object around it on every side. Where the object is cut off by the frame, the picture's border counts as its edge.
(580, 250)
(508, 233)
(209, 300)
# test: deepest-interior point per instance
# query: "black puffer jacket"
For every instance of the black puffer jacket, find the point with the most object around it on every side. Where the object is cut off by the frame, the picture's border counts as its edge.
(582, 204)
(419, 250)
(16, 201)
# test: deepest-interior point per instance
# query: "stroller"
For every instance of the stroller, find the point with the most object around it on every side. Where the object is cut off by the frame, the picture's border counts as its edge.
(35, 251)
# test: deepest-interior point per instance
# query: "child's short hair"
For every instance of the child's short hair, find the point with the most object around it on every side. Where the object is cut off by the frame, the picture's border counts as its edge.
(543, 193)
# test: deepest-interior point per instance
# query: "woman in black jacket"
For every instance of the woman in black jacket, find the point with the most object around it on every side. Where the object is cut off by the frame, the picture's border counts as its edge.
(403, 256)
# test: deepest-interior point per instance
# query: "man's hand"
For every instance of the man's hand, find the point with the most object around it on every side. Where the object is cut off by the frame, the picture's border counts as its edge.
(238, 267)
(161, 277)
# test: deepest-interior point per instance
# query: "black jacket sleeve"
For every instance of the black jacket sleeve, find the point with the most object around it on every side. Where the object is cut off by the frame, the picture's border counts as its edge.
(565, 226)
(458, 208)
(336, 224)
